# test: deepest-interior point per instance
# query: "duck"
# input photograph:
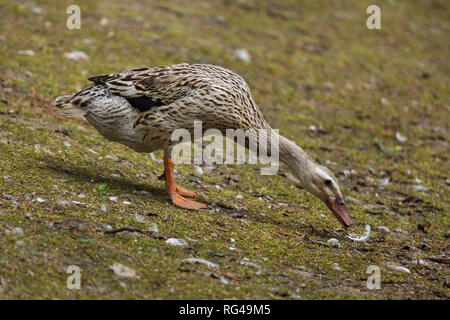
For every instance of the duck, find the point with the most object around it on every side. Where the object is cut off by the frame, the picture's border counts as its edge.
(142, 107)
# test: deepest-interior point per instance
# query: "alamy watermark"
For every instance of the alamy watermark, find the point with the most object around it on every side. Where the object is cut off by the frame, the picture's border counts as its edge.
(74, 280)
(374, 280)
(374, 20)
(262, 145)
(74, 19)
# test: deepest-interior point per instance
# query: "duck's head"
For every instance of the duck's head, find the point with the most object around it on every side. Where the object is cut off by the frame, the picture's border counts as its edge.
(315, 178)
(322, 183)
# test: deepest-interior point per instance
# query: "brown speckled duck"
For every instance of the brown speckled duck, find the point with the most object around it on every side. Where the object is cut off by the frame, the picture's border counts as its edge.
(140, 108)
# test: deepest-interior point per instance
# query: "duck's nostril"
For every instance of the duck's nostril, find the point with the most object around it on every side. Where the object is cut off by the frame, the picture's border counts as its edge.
(342, 203)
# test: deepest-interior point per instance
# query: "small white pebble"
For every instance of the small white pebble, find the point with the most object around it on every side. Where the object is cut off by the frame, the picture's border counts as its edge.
(199, 170)
(419, 262)
(349, 172)
(239, 196)
(113, 198)
(223, 280)
(336, 266)
(334, 242)
(153, 228)
(400, 137)
(176, 242)
(152, 156)
(384, 229)
(402, 269)
(36, 10)
(112, 157)
(384, 182)
(242, 54)
(40, 200)
(18, 230)
(328, 85)
(62, 203)
(76, 55)
(124, 272)
(26, 52)
(139, 218)
(141, 192)
(200, 261)
(419, 187)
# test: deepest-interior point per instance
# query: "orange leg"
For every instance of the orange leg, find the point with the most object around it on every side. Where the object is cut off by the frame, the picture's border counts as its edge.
(180, 190)
(175, 192)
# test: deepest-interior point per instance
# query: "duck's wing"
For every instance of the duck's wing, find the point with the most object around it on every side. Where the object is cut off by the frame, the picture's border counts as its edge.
(143, 86)
(214, 95)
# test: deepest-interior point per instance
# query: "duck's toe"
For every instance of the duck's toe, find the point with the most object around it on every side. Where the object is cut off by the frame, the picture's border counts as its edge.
(184, 203)
(186, 192)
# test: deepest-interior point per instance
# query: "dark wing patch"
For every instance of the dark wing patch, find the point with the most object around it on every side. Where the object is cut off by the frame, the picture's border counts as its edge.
(100, 79)
(143, 103)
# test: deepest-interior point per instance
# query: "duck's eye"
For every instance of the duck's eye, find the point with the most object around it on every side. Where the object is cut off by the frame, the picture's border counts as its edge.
(328, 182)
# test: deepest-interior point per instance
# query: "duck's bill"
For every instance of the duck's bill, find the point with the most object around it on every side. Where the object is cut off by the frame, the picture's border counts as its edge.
(340, 212)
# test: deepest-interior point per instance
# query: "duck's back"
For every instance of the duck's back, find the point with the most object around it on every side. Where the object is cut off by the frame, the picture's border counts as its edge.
(169, 97)
(170, 83)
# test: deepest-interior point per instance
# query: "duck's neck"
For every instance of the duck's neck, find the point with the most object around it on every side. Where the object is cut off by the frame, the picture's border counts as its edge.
(295, 158)
(289, 153)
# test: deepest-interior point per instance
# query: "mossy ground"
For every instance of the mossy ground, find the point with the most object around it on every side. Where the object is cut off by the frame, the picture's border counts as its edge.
(313, 63)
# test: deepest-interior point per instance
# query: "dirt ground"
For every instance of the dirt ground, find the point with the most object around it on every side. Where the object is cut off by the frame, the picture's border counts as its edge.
(372, 105)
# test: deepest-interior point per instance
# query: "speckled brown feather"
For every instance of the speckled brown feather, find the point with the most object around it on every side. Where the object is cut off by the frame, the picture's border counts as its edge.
(218, 97)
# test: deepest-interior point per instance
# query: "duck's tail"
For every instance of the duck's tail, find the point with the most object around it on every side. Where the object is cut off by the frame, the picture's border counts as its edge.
(68, 109)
